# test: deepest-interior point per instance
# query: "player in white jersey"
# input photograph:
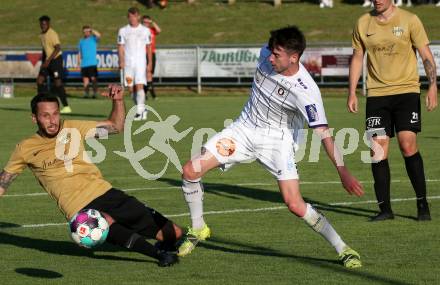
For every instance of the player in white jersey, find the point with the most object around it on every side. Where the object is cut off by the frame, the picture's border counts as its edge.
(283, 98)
(133, 49)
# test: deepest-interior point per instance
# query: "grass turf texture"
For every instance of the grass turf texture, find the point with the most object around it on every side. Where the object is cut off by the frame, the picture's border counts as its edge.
(263, 247)
(206, 22)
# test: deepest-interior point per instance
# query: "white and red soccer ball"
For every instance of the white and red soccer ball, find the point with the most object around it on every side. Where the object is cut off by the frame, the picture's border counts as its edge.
(89, 228)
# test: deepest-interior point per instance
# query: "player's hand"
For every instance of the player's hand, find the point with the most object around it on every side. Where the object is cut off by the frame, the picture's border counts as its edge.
(350, 183)
(45, 64)
(2, 191)
(431, 98)
(115, 92)
(352, 103)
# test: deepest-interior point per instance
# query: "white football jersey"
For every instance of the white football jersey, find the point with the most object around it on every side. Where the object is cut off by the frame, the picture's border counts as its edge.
(282, 102)
(134, 40)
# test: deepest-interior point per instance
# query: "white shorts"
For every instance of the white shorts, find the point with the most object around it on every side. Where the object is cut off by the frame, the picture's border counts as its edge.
(273, 148)
(136, 74)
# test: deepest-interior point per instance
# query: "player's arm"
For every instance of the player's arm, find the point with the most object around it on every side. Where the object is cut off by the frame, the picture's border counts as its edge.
(431, 74)
(57, 49)
(6, 180)
(350, 183)
(353, 79)
(115, 123)
(96, 34)
(121, 55)
(156, 27)
(149, 58)
(79, 57)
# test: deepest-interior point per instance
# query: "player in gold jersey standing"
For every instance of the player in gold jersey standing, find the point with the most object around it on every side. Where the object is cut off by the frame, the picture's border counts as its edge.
(390, 37)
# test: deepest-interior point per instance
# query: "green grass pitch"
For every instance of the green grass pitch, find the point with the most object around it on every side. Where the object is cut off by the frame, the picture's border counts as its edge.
(255, 239)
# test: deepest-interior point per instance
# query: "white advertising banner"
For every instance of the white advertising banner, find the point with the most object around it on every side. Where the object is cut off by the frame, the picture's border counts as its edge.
(228, 62)
(182, 62)
(176, 62)
(436, 53)
(19, 64)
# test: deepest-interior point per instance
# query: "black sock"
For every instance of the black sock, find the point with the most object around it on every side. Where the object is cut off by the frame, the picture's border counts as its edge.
(416, 173)
(42, 89)
(61, 93)
(87, 90)
(95, 88)
(150, 87)
(382, 178)
(122, 236)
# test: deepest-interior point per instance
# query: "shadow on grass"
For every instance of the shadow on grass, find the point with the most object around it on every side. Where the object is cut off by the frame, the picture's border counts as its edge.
(64, 248)
(329, 264)
(40, 273)
(64, 115)
(234, 192)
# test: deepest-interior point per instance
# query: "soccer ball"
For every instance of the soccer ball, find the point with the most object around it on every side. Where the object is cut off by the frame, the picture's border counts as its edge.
(88, 228)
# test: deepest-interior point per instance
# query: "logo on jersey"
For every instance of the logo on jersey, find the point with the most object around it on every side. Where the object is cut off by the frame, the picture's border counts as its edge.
(225, 146)
(281, 91)
(414, 118)
(312, 113)
(258, 76)
(373, 122)
(64, 139)
(397, 31)
(302, 83)
(129, 80)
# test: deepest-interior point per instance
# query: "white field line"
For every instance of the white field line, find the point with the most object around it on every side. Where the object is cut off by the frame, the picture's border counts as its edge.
(232, 211)
(239, 184)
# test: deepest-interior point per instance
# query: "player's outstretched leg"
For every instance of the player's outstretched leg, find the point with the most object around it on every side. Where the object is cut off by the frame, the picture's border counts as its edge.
(122, 236)
(319, 223)
(192, 188)
(193, 192)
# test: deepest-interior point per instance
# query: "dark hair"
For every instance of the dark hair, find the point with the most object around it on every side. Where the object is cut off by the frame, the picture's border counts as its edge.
(86, 27)
(146, 17)
(42, 98)
(133, 10)
(289, 38)
(44, 18)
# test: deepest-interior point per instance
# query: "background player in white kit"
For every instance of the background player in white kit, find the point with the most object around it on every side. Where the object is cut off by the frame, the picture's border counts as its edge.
(283, 97)
(133, 49)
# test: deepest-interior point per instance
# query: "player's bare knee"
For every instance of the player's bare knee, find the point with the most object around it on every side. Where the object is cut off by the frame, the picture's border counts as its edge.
(296, 208)
(407, 149)
(189, 173)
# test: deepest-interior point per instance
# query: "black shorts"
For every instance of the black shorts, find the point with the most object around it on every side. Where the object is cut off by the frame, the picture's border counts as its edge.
(393, 113)
(54, 70)
(129, 212)
(89, 71)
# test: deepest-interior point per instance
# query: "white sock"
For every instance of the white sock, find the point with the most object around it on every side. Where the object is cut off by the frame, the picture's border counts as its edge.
(319, 223)
(193, 194)
(140, 100)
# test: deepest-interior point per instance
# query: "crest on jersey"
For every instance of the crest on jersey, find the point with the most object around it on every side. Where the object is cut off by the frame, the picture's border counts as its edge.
(397, 31)
(225, 146)
(129, 80)
(281, 91)
(312, 113)
(302, 83)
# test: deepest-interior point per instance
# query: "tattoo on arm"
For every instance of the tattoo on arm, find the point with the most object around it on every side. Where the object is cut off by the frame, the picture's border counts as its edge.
(102, 131)
(431, 71)
(6, 179)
